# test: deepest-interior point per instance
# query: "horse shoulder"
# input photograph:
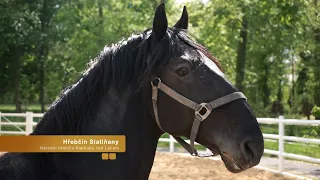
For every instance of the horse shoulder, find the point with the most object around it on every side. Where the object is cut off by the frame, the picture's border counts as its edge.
(17, 166)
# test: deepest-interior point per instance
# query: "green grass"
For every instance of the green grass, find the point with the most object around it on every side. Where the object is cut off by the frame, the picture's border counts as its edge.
(305, 149)
(7, 107)
(4, 108)
(269, 129)
(10, 108)
(290, 130)
(10, 127)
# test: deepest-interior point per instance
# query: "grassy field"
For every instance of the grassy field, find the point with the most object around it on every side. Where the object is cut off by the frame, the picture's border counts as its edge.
(296, 148)
(9, 108)
(311, 150)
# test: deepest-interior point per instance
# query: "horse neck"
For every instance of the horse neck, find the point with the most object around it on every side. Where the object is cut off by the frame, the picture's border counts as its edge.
(115, 113)
(128, 114)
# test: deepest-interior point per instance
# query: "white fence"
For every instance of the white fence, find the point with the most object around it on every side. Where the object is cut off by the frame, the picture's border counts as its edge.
(29, 124)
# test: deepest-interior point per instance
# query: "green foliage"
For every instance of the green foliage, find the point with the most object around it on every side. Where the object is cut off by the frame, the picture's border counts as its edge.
(278, 33)
(281, 43)
(316, 112)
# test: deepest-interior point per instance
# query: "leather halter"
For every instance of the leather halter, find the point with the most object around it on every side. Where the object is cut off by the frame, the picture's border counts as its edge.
(202, 111)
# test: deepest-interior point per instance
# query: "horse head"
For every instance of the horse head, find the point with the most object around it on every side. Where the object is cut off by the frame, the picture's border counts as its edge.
(192, 97)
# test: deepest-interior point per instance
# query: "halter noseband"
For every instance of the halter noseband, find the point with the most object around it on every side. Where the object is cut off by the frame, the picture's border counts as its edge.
(202, 111)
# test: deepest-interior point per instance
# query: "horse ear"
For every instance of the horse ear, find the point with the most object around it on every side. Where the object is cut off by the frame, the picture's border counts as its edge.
(160, 22)
(184, 20)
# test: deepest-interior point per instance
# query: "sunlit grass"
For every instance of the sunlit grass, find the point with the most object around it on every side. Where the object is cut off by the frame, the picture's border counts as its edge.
(311, 150)
(36, 108)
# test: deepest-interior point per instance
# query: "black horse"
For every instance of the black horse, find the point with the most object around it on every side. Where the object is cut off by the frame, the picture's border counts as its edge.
(153, 82)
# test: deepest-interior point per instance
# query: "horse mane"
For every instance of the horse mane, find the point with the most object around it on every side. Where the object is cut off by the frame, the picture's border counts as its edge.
(119, 64)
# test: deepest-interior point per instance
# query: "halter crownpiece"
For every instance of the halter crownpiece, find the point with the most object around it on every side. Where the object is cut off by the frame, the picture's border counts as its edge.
(202, 111)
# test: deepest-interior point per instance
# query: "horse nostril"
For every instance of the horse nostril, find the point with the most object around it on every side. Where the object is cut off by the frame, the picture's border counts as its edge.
(247, 150)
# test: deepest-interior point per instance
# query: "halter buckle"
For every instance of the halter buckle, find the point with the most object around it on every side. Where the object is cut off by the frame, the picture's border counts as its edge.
(203, 111)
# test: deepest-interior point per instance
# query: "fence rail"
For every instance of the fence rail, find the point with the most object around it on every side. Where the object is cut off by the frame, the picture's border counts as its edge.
(29, 124)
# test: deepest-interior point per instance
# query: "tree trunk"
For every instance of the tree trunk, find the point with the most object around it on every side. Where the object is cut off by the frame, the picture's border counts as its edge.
(241, 55)
(101, 22)
(317, 63)
(265, 87)
(45, 17)
(16, 52)
(293, 94)
(41, 57)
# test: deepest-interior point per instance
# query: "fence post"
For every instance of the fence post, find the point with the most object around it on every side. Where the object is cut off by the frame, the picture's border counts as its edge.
(171, 144)
(29, 122)
(281, 144)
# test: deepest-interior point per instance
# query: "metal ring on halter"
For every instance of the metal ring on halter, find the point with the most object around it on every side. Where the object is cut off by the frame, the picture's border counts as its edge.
(159, 82)
(203, 106)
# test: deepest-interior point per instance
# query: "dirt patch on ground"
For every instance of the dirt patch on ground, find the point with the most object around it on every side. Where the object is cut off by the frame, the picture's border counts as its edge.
(176, 167)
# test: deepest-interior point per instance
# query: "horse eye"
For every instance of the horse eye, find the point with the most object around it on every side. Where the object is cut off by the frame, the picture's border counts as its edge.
(182, 71)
